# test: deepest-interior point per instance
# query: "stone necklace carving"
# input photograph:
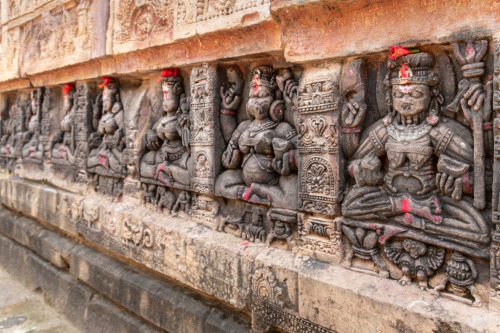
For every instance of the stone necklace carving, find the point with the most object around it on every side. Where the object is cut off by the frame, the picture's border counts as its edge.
(408, 133)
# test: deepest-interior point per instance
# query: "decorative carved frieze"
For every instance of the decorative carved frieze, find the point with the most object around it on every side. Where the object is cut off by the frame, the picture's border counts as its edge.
(141, 23)
(319, 137)
(268, 306)
(204, 129)
(321, 237)
(57, 37)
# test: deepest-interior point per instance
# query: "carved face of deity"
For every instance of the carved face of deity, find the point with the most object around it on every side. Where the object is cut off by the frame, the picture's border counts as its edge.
(67, 103)
(411, 99)
(259, 103)
(33, 101)
(170, 99)
(108, 99)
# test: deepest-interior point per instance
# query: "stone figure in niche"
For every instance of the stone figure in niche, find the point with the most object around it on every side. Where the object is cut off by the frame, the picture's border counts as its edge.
(8, 127)
(167, 161)
(107, 159)
(413, 175)
(63, 144)
(12, 140)
(261, 156)
(33, 147)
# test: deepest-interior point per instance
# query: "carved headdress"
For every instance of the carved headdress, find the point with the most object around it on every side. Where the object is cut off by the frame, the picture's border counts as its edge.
(414, 68)
(171, 80)
(264, 84)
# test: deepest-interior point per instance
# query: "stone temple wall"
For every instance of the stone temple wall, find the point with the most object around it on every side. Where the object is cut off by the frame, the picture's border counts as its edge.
(254, 165)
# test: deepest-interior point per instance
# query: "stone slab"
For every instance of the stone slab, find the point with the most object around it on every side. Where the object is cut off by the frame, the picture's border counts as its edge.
(77, 302)
(314, 30)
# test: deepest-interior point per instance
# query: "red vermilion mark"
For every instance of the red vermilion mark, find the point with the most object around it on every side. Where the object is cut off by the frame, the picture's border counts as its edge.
(467, 187)
(246, 195)
(405, 205)
(256, 82)
(404, 71)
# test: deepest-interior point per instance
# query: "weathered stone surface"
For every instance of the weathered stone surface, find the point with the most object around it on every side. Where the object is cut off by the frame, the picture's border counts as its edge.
(78, 303)
(307, 292)
(166, 305)
(316, 30)
(284, 123)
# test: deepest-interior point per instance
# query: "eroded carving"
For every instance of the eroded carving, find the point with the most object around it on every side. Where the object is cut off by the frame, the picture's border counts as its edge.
(33, 148)
(106, 161)
(63, 144)
(167, 161)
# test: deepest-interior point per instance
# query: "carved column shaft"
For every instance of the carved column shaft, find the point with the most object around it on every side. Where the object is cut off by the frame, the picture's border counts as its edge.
(495, 245)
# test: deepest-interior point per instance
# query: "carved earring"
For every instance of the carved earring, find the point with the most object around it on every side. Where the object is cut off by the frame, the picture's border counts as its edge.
(178, 88)
(277, 110)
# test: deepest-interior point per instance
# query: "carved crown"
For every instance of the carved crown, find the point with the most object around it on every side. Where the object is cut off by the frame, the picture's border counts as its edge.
(414, 68)
(264, 76)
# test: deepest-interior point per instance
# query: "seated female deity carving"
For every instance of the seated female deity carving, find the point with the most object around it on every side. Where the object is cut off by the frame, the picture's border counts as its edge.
(63, 144)
(262, 153)
(413, 170)
(108, 158)
(168, 159)
(9, 134)
(33, 147)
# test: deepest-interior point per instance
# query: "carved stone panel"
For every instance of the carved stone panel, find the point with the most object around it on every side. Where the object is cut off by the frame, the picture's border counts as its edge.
(320, 237)
(205, 210)
(204, 16)
(319, 136)
(206, 155)
(140, 24)
(57, 38)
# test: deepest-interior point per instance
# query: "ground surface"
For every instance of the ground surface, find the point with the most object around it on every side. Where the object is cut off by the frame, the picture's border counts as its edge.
(22, 310)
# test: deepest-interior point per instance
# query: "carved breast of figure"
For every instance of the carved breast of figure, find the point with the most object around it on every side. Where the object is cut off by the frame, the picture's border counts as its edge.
(33, 124)
(167, 128)
(410, 162)
(66, 123)
(256, 145)
(109, 123)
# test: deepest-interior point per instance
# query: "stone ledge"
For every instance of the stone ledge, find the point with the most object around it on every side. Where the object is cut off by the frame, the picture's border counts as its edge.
(166, 305)
(302, 292)
(83, 306)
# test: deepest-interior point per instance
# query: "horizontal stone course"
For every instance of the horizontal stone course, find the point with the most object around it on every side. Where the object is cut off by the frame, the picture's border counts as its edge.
(314, 293)
(166, 305)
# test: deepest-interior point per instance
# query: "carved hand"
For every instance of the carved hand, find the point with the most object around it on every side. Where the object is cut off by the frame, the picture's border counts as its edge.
(353, 111)
(229, 99)
(152, 141)
(473, 99)
(231, 157)
(452, 187)
(367, 171)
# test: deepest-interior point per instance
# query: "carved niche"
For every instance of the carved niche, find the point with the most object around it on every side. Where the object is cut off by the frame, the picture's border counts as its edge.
(167, 163)
(261, 153)
(418, 180)
(63, 146)
(14, 129)
(33, 146)
(106, 157)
